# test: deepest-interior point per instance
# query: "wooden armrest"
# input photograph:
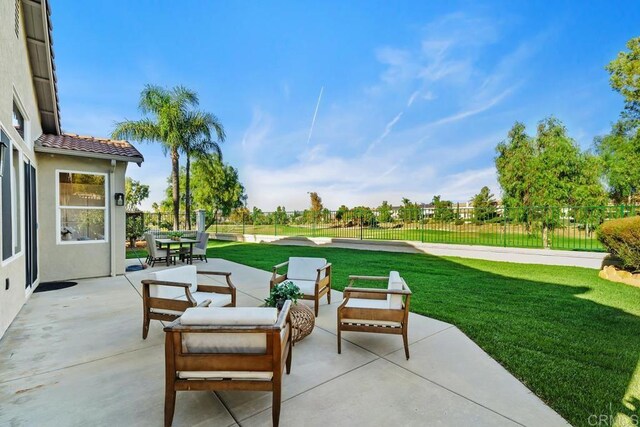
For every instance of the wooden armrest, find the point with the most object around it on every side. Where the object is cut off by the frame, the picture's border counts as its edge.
(216, 273)
(227, 276)
(216, 289)
(284, 314)
(165, 283)
(282, 264)
(327, 265)
(377, 278)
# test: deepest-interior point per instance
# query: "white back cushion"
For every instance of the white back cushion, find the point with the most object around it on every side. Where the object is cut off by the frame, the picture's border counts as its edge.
(302, 268)
(186, 274)
(205, 342)
(396, 283)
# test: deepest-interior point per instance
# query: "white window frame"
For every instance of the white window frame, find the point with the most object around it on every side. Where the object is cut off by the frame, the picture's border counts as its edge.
(106, 207)
(9, 152)
(25, 117)
(17, 200)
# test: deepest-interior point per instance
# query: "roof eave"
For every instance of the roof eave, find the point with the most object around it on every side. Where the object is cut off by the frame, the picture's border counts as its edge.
(41, 7)
(102, 156)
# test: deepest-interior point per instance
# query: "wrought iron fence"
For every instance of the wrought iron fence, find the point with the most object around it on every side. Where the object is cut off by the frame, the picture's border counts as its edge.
(565, 227)
(160, 221)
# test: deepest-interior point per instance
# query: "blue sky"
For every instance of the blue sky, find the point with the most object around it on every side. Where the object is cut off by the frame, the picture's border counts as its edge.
(416, 95)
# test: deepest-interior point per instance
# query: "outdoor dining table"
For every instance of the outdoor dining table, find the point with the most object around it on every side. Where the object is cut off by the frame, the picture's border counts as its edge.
(181, 242)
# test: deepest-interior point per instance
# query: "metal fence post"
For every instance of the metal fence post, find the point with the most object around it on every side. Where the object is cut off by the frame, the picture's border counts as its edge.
(275, 224)
(361, 230)
(243, 221)
(504, 227)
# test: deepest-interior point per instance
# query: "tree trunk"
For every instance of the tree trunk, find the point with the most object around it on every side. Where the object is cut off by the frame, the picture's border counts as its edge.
(545, 237)
(175, 180)
(188, 191)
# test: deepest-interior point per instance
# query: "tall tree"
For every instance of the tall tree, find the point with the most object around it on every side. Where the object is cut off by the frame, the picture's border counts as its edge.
(316, 202)
(548, 171)
(169, 114)
(134, 193)
(198, 141)
(484, 205)
(217, 186)
(625, 77)
(385, 212)
(620, 154)
(620, 149)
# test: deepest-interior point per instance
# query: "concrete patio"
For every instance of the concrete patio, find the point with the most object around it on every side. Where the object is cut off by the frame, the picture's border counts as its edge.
(76, 355)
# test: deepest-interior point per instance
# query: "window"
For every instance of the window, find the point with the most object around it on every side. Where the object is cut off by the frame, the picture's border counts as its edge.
(82, 207)
(7, 233)
(18, 120)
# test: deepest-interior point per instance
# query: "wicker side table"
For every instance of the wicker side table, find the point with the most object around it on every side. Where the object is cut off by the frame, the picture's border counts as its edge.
(302, 321)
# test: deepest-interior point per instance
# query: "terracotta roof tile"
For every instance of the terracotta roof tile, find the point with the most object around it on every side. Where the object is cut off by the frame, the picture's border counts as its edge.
(89, 144)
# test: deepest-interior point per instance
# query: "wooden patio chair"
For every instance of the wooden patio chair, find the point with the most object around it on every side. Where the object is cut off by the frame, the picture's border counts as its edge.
(245, 348)
(311, 275)
(168, 293)
(383, 311)
(155, 254)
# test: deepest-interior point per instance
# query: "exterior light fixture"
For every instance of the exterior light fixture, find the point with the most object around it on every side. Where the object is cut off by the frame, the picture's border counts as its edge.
(119, 199)
(3, 149)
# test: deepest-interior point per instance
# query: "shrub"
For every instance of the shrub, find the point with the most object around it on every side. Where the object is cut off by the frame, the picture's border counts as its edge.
(622, 238)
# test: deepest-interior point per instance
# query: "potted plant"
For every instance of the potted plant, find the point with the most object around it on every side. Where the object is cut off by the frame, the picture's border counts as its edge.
(175, 235)
(282, 292)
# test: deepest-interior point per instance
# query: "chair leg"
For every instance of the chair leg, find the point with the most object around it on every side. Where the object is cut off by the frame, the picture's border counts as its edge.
(339, 339)
(316, 305)
(289, 356)
(169, 406)
(277, 400)
(329, 296)
(145, 326)
(405, 339)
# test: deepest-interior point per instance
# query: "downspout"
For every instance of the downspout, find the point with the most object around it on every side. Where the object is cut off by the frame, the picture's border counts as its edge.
(112, 217)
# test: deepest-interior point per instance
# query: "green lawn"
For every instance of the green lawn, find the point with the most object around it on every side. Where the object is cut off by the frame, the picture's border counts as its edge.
(571, 337)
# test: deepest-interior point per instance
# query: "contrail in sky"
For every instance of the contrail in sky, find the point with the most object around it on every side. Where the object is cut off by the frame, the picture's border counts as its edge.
(313, 122)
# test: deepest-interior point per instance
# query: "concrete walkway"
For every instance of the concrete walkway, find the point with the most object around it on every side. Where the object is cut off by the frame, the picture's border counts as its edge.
(75, 357)
(491, 253)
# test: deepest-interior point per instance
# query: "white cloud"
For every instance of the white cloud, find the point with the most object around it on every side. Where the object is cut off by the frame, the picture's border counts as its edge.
(389, 142)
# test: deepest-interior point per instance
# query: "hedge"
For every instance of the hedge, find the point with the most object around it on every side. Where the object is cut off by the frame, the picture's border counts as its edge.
(622, 238)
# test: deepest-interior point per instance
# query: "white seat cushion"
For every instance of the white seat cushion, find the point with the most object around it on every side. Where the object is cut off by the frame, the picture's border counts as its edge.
(395, 283)
(186, 274)
(302, 268)
(307, 287)
(234, 375)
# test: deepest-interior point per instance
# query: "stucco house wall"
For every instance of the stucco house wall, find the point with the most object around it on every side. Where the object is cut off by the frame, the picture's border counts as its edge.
(15, 83)
(63, 260)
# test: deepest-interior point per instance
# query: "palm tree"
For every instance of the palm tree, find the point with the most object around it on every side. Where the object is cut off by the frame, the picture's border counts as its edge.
(173, 121)
(198, 142)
